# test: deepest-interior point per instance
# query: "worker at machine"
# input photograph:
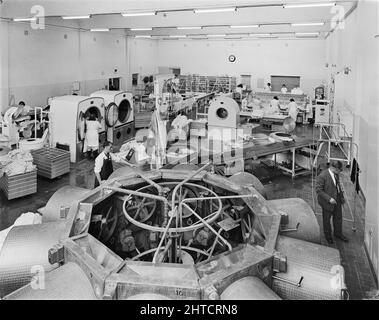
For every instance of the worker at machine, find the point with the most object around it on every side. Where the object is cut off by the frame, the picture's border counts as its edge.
(274, 106)
(284, 88)
(21, 111)
(292, 109)
(330, 197)
(91, 140)
(103, 163)
(268, 87)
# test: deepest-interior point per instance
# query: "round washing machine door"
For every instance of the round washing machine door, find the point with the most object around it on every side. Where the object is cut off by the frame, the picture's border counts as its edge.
(124, 111)
(111, 114)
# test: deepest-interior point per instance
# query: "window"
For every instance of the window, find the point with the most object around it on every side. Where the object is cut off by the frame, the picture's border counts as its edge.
(290, 82)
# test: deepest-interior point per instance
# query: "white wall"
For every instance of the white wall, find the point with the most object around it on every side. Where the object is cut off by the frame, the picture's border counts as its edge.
(44, 63)
(142, 58)
(261, 59)
(355, 46)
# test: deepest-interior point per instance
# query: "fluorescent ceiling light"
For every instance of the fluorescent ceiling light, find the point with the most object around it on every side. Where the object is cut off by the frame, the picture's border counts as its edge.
(143, 36)
(138, 14)
(230, 9)
(76, 17)
(260, 35)
(306, 33)
(141, 29)
(306, 24)
(178, 36)
(247, 26)
(100, 30)
(188, 28)
(24, 19)
(216, 35)
(309, 5)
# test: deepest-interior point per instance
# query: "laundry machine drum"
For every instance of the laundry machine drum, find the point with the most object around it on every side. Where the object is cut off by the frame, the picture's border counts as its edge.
(93, 110)
(124, 111)
(111, 114)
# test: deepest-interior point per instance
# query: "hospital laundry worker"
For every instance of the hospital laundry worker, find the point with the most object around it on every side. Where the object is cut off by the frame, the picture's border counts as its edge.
(91, 140)
(273, 107)
(292, 109)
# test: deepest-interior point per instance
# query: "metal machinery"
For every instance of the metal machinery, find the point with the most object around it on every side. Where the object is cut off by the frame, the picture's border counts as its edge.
(183, 233)
(119, 115)
(223, 119)
(67, 114)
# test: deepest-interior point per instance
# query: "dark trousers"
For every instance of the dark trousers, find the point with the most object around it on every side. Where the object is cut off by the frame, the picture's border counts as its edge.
(336, 215)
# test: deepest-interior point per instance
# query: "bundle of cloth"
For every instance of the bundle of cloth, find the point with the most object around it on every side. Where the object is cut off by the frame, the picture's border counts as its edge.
(16, 162)
(138, 155)
(25, 219)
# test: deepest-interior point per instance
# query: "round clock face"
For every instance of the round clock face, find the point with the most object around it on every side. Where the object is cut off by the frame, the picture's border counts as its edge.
(232, 58)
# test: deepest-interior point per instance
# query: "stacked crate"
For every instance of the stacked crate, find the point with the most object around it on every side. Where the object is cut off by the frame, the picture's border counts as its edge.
(19, 185)
(51, 162)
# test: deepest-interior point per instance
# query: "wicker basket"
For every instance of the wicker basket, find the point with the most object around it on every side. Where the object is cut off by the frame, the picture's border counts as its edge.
(19, 185)
(51, 162)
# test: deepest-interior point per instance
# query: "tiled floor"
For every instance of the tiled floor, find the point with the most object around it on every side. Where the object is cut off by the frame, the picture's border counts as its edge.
(358, 275)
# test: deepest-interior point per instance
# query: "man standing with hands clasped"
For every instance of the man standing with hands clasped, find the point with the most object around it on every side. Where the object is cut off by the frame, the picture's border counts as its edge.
(330, 197)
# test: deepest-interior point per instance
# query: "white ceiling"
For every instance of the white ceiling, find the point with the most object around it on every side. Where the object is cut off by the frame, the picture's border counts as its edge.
(106, 14)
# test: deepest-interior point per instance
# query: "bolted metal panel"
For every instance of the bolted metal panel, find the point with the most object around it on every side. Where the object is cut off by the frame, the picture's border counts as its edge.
(25, 253)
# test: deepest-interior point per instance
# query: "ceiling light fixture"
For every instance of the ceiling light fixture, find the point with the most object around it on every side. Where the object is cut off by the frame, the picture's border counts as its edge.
(306, 33)
(260, 34)
(141, 29)
(100, 30)
(188, 28)
(247, 26)
(178, 36)
(216, 35)
(146, 36)
(76, 17)
(24, 19)
(138, 14)
(309, 5)
(230, 9)
(306, 24)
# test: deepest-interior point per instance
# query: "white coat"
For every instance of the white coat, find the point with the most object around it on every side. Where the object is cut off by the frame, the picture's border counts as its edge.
(92, 135)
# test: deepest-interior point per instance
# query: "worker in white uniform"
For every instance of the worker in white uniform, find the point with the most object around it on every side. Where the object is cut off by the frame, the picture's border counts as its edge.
(91, 140)
(292, 108)
(268, 87)
(273, 107)
(284, 88)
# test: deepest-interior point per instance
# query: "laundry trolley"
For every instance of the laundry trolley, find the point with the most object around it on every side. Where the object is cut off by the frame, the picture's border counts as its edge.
(119, 115)
(67, 115)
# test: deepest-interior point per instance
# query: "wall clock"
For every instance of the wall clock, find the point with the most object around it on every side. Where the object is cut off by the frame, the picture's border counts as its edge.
(232, 58)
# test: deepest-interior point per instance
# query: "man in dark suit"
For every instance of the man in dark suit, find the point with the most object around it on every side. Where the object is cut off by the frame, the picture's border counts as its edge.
(330, 197)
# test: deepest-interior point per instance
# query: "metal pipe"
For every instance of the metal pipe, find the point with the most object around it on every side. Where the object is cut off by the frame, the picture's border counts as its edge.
(136, 193)
(165, 249)
(163, 237)
(186, 180)
(209, 227)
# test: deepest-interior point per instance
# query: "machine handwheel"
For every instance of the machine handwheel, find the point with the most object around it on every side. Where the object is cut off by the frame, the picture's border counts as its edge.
(142, 209)
(107, 225)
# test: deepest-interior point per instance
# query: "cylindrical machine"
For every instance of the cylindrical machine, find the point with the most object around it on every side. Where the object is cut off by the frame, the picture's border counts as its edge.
(67, 282)
(249, 288)
(65, 197)
(299, 214)
(25, 253)
(313, 271)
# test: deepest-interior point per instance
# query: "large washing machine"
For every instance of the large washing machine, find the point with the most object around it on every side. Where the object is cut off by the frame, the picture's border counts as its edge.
(120, 105)
(67, 114)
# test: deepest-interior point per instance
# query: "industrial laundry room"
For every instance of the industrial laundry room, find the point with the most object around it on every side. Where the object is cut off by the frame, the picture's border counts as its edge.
(189, 150)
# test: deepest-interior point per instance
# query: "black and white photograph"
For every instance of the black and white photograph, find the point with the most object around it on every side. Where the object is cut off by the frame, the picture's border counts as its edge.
(189, 154)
